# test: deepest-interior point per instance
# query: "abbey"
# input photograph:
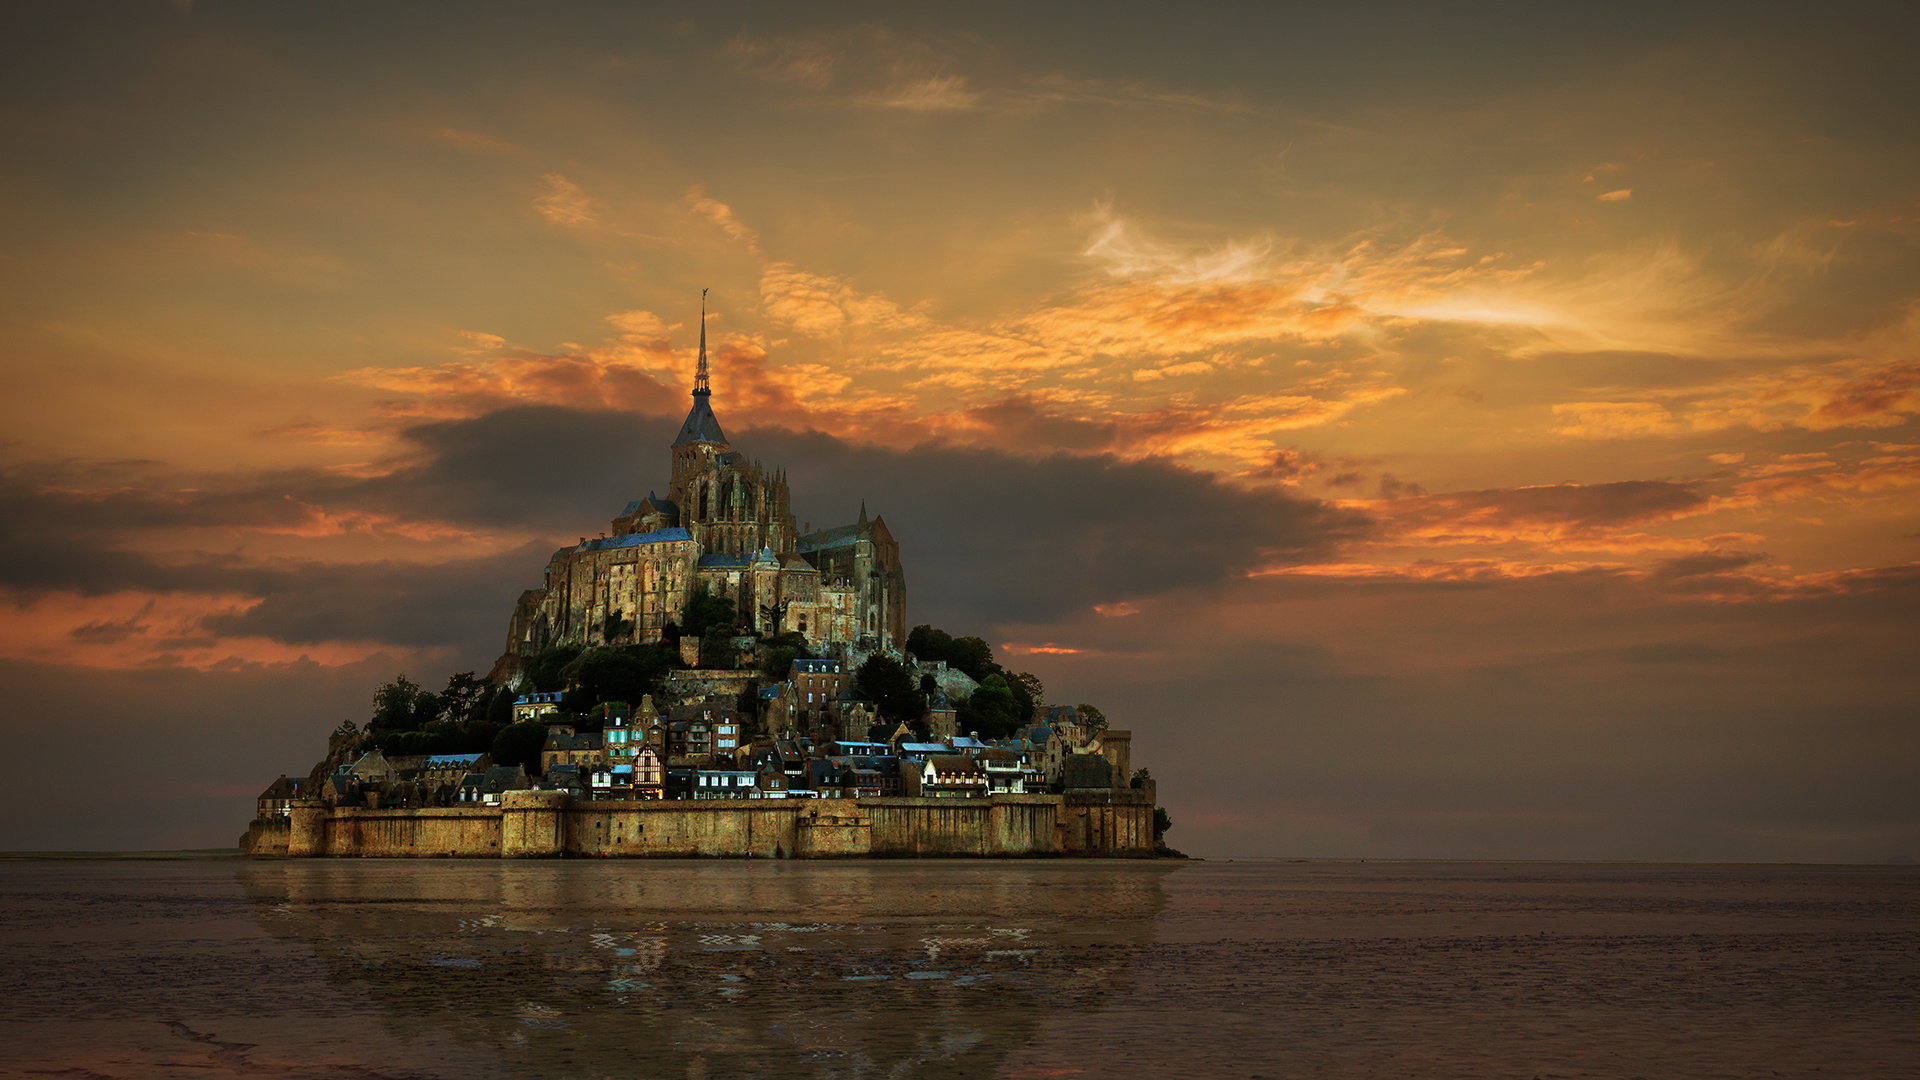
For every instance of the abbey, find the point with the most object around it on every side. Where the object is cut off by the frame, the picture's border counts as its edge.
(725, 524)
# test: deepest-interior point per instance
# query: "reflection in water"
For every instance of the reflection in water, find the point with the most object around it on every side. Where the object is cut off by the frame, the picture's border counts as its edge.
(722, 969)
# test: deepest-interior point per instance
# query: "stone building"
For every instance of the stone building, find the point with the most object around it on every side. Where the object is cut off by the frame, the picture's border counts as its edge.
(725, 524)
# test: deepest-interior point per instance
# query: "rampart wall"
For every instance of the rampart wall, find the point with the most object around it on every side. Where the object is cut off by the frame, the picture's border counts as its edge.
(546, 824)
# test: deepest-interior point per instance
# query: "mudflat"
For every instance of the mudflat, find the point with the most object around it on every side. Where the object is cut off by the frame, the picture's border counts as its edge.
(1059, 968)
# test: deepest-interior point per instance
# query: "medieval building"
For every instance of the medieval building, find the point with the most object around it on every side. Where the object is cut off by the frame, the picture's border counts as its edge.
(724, 524)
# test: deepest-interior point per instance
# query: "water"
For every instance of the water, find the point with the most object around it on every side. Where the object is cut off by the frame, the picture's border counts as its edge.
(377, 969)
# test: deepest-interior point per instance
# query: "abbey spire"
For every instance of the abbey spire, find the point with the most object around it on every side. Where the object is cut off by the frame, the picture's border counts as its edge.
(700, 388)
(701, 425)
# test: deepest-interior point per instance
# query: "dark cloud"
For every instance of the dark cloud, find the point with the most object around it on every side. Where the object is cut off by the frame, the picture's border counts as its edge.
(1392, 487)
(990, 537)
(1706, 564)
(540, 467)
(1582, 506)
(463, 603)
(985, 535)
(1023, 421)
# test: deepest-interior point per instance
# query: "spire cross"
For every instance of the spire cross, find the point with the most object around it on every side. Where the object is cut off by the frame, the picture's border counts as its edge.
(700, 375)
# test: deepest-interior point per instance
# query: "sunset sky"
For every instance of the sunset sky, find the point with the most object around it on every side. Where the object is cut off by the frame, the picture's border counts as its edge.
(1435, 432)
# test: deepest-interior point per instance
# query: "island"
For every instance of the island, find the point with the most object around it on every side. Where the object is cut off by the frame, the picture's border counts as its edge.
(710, 678)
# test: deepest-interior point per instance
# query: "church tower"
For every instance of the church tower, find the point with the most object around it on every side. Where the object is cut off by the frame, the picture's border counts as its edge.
(731, 507)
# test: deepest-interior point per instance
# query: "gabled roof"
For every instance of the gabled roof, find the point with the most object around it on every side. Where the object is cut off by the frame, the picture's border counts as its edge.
(652, 500)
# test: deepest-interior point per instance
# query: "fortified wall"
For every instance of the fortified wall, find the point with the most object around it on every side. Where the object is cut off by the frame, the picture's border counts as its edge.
(550, 824)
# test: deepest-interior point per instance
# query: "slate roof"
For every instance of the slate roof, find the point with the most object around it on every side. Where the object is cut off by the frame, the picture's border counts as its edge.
(659, 503)
(448, 761)
(830, 538)
(701, 425)
(657, 536)
(723, 562)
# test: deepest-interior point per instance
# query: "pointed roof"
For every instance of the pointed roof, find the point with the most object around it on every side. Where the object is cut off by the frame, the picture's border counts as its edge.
(701, 425)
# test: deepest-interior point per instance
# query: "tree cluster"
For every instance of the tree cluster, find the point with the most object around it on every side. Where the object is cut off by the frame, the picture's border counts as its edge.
(890, 684)
(1005, 701)
(409, 719)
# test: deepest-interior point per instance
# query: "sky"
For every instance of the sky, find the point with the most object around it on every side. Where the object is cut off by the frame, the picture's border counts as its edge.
(1471, 432)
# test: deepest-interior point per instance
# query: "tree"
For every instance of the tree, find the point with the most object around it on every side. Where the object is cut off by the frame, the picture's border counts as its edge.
(620, 673)
(499, 709)
(520, 744)
(1141, 778)
(705, 612)
(992, 709)
(1162, 821)
(773, 616)
(927, 643)
(465, 699)
(426, 710)
(890, 685)
(545, 671)
(393, 705)
(1036, 693)
(479, 737)
(781, 651)
(973, 656)
(1092, 719)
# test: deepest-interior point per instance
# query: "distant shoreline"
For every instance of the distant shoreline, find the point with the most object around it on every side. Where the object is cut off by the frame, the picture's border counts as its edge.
(185, 854)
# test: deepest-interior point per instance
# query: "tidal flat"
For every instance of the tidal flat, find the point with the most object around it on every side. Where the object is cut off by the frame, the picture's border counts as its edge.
(1061, 968)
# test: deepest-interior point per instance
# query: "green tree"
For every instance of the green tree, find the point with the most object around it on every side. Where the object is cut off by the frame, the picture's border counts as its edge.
(1141, 777)
(927, 643)
(393, 705)
(519, 744)
(890, 684)
(780, 651)
(500, 709)
(973, 656)
(479, 737)
(706, 612)
(426, 710)
(620, 673)
(546, 671)
(992, 710)
(1162, 821)
(1092, 719)
(1036, 693)
(465, 699)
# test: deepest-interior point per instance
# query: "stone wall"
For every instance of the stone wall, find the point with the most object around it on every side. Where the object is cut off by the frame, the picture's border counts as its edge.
(694, 684)
(536, 824)
(268, 836)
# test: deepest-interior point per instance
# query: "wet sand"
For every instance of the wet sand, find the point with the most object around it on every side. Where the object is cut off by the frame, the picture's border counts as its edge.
(215, 968)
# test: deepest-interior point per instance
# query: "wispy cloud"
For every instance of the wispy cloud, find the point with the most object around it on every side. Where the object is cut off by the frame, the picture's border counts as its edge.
(563, 203)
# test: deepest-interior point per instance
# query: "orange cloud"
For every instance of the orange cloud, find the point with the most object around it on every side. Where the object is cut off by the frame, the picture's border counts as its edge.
(144, 629)
(722, 215)
(1613, 420)
(565, 204)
